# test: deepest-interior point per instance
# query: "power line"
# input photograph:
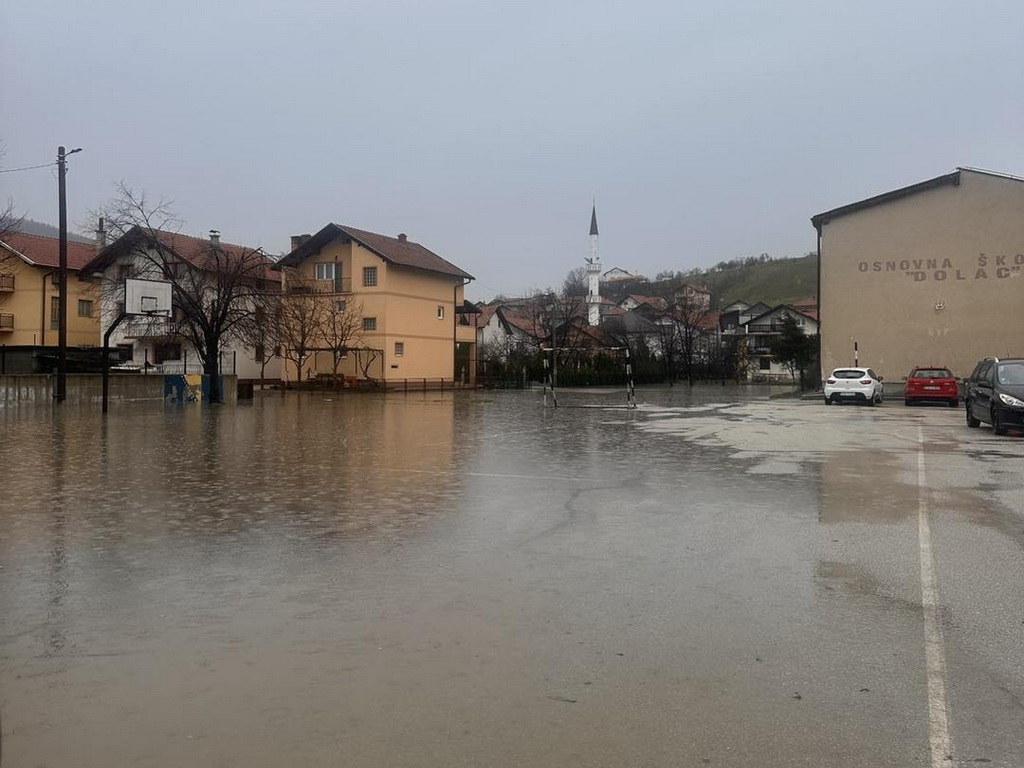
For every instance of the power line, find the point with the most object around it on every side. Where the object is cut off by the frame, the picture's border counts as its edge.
(26, 168)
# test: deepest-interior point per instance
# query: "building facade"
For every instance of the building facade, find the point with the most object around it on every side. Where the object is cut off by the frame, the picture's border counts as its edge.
(201, 269)
(30, 292)
(402, 296)
(930, 274)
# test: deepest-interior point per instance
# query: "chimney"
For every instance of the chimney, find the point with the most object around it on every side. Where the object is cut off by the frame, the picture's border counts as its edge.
(402, 238)
(215, 237)
(101, 236)
(298, 240)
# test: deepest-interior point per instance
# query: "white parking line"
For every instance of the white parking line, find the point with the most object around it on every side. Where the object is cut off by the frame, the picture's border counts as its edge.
(934, 653)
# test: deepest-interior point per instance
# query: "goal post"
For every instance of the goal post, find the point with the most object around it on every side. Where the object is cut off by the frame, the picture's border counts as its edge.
(552, 385)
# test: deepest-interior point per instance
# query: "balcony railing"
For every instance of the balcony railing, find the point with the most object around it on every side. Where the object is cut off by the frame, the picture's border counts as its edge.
(6, 321)
(764, 328)
(338, 285)
(6, 282)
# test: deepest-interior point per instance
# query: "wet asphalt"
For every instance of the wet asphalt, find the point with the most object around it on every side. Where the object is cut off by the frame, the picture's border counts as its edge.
(470, 579)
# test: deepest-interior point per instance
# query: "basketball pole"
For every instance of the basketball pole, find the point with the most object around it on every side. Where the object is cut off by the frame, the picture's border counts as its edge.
(106, 359)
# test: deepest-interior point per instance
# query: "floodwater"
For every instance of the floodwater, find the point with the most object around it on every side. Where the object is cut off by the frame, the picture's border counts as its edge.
(470, 579)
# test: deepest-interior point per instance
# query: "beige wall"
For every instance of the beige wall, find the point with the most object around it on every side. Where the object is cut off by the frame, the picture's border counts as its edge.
(405, 304)
(935, 278)
(30, 305)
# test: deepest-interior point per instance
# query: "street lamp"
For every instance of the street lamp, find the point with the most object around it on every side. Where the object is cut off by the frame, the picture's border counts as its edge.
(60, 393)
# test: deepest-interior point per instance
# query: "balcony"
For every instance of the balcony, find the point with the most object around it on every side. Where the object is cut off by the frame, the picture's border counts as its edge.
(6, 283)
(6, 322)
(764, 328)
(338, 285)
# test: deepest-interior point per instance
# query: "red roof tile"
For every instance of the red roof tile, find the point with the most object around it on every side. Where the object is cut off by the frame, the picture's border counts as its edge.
(45, 251)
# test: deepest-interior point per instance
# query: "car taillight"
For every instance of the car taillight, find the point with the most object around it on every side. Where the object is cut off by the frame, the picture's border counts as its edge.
(865, 381)
(830, 381)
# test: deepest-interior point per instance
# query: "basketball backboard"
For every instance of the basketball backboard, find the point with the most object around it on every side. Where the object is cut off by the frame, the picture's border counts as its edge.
(147, 297)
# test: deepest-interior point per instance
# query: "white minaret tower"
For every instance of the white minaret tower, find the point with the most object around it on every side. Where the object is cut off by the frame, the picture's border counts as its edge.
(593, 274)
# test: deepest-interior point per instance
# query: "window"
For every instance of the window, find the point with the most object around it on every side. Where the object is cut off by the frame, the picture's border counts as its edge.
(369, 277)
(765, 363)
(175, 269)
(55, 281)
(84, 308)
(125, 352)
(339, 306)
(165, 352)
(326, 270)
(369, 323)
(124, 271)
(54, 312)
(440, 311)
(399, 348)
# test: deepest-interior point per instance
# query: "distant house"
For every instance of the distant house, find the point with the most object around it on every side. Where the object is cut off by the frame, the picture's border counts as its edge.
(634, 300)
(616, 274)
(30, 292)
(690, 294)
(761, 329)
(408, 301)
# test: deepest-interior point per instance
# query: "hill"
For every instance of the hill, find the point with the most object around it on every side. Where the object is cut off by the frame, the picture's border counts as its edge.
(773, 281)
(778, 281)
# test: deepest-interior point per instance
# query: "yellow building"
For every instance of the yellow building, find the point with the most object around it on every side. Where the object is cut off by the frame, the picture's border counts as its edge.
(398, 305)
(930, 274)
(30, 292)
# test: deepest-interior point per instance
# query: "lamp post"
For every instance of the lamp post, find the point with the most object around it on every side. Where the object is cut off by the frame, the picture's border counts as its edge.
(60, 393)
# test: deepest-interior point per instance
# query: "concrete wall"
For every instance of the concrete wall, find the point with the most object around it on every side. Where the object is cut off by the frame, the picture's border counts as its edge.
(935, 278)
(37, 389)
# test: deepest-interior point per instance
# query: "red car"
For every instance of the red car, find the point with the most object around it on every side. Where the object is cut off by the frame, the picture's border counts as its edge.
(931, 384)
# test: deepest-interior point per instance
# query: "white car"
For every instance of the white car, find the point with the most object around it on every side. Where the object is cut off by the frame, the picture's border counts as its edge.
(854, 385)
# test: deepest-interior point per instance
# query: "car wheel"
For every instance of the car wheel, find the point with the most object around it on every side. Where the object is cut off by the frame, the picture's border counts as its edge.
(997, 423)
(972, 422)
(907, 401)
(828, 401)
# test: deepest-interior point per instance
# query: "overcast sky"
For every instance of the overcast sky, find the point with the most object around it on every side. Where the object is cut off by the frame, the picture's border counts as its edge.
(706, 131)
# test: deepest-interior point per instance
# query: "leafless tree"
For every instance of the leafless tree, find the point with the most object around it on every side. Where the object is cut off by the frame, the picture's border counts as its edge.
(341, 329)
(262, 332)
(301, 320)
(575, 283)
(216, 289)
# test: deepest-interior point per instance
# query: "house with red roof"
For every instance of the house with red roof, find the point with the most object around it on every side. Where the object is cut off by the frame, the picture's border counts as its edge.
(407, 301)
(30, 292)
(214, 283)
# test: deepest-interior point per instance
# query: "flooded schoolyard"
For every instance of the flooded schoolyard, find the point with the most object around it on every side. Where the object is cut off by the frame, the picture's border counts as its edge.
(471, 579)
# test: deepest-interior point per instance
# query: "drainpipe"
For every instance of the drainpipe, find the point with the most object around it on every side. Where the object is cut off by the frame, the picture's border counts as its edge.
(42, 323)
(455, 326)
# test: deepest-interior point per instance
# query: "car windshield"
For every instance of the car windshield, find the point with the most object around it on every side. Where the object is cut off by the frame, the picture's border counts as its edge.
(848, 373)
(1010, 373)
(931, 373)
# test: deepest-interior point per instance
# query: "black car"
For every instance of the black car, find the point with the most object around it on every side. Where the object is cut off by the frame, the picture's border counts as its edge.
(994, 393)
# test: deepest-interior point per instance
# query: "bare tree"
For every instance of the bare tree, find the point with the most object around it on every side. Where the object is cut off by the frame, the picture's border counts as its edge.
(341, 329)
(300, 320)
(575, 283)
(216, 288)
(262, 332)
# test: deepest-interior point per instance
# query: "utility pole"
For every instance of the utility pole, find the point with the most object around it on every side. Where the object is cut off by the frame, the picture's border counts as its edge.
(60, 394)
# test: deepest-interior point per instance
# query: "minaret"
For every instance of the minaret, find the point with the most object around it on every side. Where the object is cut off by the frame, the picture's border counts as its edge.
(593, 274)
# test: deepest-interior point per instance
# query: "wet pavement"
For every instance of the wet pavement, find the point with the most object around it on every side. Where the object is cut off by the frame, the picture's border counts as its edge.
(469, 579)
